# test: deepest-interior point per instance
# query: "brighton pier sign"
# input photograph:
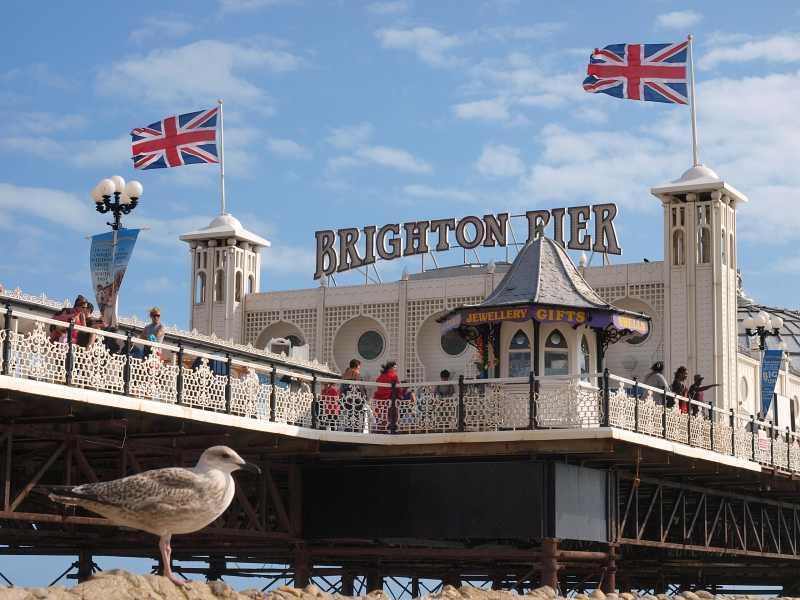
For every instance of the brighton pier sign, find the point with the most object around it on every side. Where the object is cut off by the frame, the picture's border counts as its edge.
(409, 239)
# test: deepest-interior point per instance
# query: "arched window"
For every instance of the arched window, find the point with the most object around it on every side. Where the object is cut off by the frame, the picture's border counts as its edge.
(585, 356)
(703, 245)
(251, 284)
(294, 340)
(678, 247)
(722, 247)
(237, 293)
(201, 288)
(731, 252)
(219, 286)
(519, 355)
(556, 354)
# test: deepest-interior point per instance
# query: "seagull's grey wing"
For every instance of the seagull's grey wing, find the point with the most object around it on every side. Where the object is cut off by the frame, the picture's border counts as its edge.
(143, 490)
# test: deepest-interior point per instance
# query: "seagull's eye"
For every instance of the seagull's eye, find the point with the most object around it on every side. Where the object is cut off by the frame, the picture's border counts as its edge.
(226, 455)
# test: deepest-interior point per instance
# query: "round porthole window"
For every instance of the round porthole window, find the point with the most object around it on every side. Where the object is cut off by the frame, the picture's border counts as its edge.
(370, 345)
(452, 343)
(743, 389)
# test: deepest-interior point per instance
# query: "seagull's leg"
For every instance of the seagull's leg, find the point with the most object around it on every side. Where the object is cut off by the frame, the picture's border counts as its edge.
(166, 557)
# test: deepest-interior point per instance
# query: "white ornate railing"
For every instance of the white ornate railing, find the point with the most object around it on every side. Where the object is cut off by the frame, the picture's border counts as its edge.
(263, 389)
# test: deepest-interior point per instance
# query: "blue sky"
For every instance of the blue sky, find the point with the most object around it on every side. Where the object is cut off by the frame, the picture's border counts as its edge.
(346, 114)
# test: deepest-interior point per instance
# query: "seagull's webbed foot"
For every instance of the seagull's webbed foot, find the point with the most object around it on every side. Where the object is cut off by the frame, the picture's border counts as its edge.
(166, 557)
(177, 580)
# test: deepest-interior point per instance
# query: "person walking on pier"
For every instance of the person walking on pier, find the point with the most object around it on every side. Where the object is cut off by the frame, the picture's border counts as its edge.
(382, 398)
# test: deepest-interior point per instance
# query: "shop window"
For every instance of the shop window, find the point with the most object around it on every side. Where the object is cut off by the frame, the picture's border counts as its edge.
(556, 354)
(585, 356)
(519, 355)
(370, 345)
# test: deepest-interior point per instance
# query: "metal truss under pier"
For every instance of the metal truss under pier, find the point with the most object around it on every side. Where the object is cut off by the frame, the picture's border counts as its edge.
(598, 507)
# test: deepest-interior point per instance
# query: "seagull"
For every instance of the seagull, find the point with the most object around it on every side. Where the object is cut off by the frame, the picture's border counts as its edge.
(163, 501)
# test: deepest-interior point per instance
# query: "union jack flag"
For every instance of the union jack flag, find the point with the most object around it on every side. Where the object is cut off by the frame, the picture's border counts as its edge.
(175, 141)
(651, 72)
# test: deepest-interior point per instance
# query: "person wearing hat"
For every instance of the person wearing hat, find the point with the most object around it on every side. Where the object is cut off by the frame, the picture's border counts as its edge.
(696, 392)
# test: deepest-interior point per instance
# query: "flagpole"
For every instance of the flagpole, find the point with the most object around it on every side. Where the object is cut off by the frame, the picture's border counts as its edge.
(222, 154)
(692, 105)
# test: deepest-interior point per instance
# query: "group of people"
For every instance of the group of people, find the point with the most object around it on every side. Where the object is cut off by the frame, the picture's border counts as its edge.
(377, 408)
(81, 313)
(678, 387)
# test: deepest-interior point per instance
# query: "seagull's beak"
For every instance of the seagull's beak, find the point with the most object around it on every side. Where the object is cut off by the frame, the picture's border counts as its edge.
(250, 467)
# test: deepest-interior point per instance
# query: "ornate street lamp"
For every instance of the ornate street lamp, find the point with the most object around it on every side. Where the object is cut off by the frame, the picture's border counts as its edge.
(765, 325)
(126, 198)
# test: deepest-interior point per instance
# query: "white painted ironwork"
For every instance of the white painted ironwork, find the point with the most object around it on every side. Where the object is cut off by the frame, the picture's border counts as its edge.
(261, 391)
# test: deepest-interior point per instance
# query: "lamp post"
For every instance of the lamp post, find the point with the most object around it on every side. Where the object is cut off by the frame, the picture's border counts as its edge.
(126, 198)
(765, 325)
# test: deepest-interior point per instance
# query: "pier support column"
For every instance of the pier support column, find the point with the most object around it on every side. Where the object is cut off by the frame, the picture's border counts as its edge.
(302, 567)
(374, 579)
(348, 584)
(550, 562)
(85, 565)
(609, 569)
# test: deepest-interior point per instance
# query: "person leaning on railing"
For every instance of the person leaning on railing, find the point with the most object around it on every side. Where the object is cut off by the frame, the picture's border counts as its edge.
(655, 378)
(679, 388)
(696, 392)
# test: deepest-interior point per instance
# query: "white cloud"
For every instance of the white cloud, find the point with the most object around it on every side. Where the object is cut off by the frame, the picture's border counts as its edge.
(500, 160)
(80, 153)
(289, 260)
(678, 19)
(288, 149)
(349, 136)
(63, 209)
(603, 166)
(387, 8)
(336, 164)
(494, 109)
(430, 45)
(394, 157)
(779, 48)
(171, 26)
(46, 122)
(536, 31)
(424, 191)
(191, 75)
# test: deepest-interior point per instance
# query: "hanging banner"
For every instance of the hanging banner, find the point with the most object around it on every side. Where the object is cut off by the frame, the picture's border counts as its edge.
(770, 368)
(108, 260)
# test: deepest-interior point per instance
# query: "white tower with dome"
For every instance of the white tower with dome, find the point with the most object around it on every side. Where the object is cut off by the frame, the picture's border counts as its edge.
(700, 279)
(226, 266)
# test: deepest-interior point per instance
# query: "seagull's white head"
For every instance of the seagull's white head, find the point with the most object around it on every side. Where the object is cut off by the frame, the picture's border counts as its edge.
(224, 459)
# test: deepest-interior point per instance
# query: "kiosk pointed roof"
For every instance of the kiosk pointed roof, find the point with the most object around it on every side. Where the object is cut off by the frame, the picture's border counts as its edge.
(543, 273)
